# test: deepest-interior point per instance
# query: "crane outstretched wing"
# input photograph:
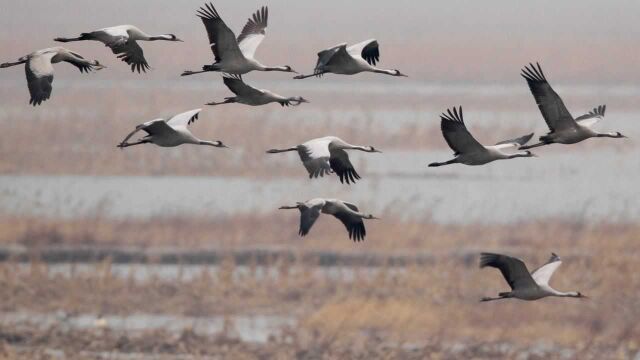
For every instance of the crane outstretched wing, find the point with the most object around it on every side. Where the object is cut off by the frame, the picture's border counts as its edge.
(253, 32)
(239, 87)
(543, 274)
(342, 166)
(308, 217)
(76, 60)
(152, 127)
(354, 224)
(456, 134)
(335, 54)
(513, 270)
(369, 50)
(185, 118)
(39, 72)
(519, 141)
(592, 116)
(553, 110)
(315, 156)
(221, 38)
(131, 53)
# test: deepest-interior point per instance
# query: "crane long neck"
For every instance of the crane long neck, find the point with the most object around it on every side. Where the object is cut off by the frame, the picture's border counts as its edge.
(356, 147)
(345, 145)
(275, 151)
(158, 37)
(383, 71)
(436, 164)
(610, 135)
(274, 68)
(9, 64)
(137, 34)
(524, 154)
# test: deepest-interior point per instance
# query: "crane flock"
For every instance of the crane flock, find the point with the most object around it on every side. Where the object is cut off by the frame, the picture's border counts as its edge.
(235, 56)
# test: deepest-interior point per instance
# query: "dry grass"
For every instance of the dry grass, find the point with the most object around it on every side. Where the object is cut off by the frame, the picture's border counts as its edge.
(254, 230)
(430, 304)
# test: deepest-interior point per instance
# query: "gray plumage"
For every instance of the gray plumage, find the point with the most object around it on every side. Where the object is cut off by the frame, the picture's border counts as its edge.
(525, 285)
(347, 213)
(248, 95)
(123, 42)
(169, 132)
(349, 60)
(563, 128)
(235, 56)
(467, 150)
(39, 69)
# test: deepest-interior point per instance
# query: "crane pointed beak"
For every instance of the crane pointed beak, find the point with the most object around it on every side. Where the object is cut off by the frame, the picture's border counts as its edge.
(287, 207)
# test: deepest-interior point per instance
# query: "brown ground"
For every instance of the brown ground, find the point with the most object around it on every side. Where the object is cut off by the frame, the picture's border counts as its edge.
(428, 305)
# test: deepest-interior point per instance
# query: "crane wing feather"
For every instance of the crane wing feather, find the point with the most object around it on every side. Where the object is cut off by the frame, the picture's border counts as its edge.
(340, 163)
(152, 127)
(592, 117)
(315, 155)
(308, 217)
(334, 55)
(74, 59)
(185, 118)
(131, 53)
(456, 134)
(345, 212)
(519, 141)
(221, 38)
(553, 110)
(513, 270)
(543, 274)
(239, 87)
(39, 72)
(369, 50)
(253, 33)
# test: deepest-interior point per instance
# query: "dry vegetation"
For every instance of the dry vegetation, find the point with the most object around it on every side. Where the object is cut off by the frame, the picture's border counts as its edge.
(423, 310)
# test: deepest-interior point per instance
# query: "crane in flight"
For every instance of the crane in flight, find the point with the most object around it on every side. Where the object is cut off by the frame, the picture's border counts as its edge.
(346, 212)
(525, 285)
(563, 128)
(350, 60)
(39, 69)
(235, 56)
(467, 150)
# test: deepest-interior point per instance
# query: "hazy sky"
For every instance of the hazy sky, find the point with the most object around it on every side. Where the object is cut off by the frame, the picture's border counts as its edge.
(453, 40)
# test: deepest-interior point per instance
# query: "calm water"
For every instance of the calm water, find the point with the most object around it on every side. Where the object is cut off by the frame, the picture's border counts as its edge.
(599, 185)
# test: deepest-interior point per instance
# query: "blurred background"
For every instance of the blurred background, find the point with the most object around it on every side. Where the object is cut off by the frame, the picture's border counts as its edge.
(180, 252)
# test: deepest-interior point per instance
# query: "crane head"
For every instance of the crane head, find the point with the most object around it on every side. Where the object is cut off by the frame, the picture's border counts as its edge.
(398, 73)
(578, 294)
(288, 68)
